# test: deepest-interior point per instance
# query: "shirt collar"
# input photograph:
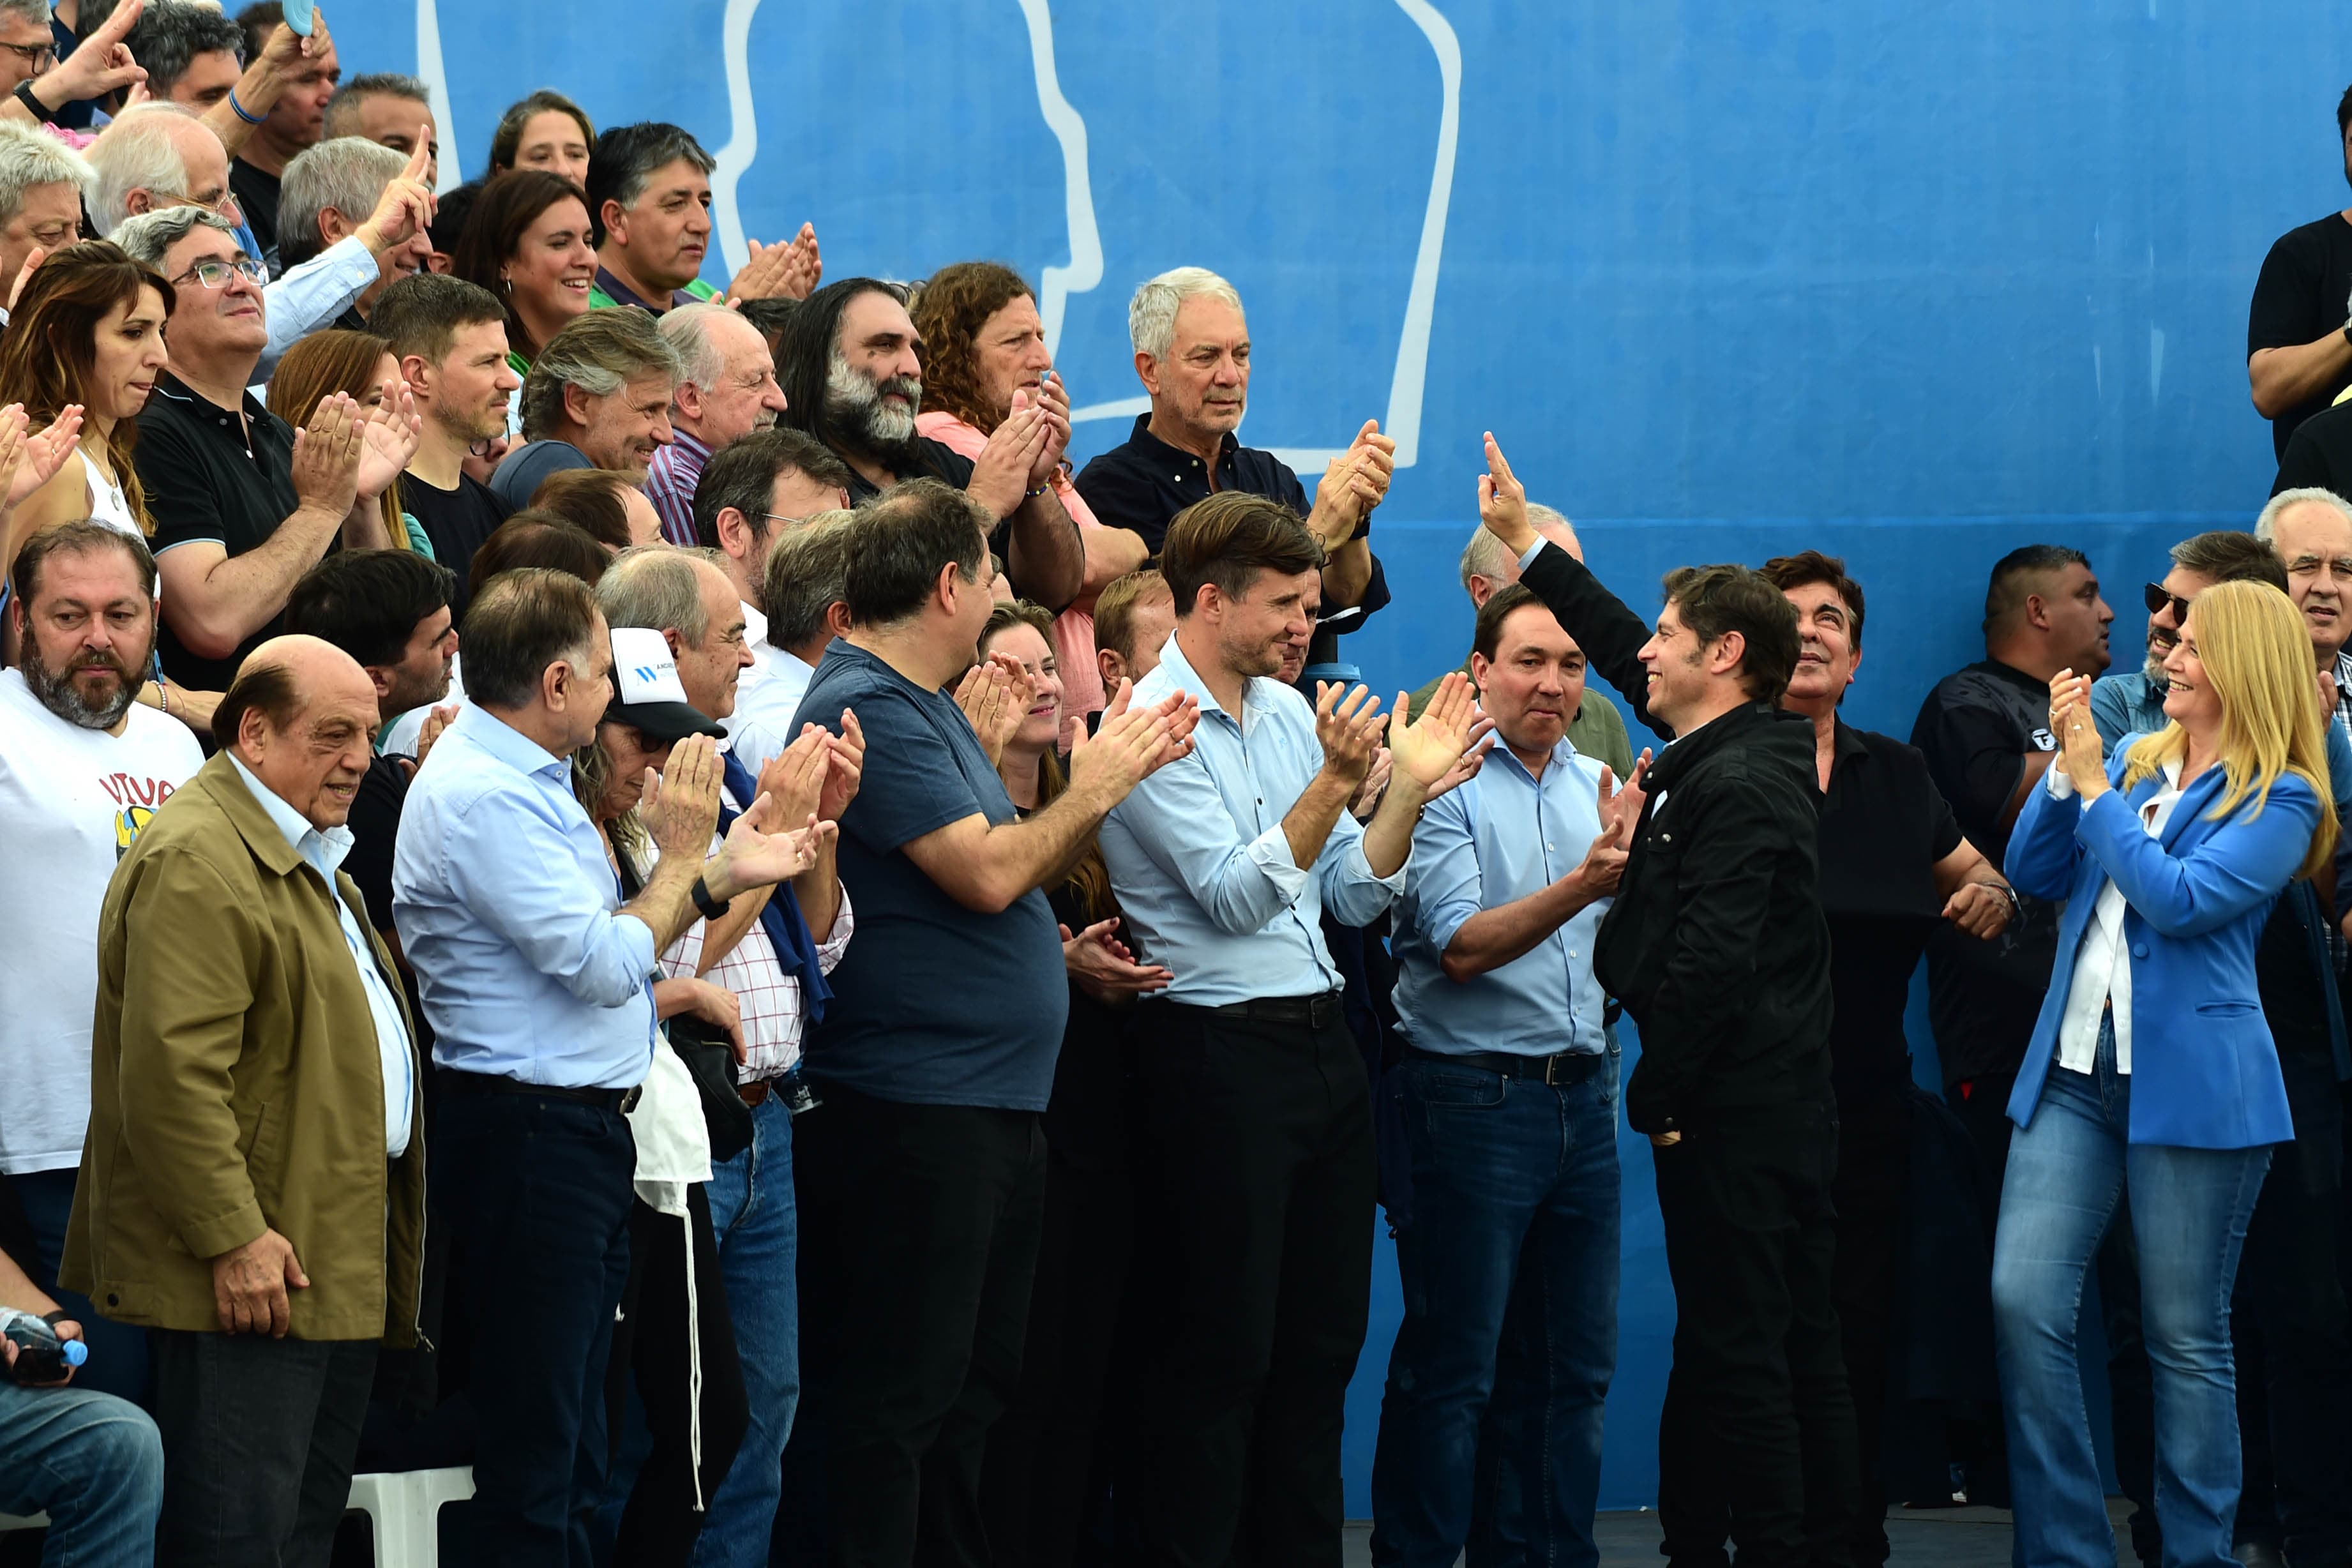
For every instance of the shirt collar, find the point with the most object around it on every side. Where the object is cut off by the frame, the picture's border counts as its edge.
(508, 744)
(692, 446)
(1563, 754)
(1153, 446)
(755, 623)
(622, 295)
(324, 849)
(1182, 677)
(1846, 741)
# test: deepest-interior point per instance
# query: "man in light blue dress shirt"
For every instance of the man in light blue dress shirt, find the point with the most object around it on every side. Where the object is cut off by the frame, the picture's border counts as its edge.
(538, 982)
(1223, 863)
(1508, 1094)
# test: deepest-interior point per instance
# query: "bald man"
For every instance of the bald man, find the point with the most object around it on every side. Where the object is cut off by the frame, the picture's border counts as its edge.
(270, 1227)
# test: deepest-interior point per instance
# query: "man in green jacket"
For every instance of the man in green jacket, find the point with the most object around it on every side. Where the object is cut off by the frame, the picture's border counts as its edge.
(253, 1186)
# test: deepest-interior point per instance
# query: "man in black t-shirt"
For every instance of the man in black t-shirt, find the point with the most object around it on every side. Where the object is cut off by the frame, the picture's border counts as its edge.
(450, 337)
(852, 376)
(2299, 331)
(1985, 732)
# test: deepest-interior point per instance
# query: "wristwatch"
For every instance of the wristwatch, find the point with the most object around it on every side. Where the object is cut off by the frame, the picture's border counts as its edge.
(713, 906)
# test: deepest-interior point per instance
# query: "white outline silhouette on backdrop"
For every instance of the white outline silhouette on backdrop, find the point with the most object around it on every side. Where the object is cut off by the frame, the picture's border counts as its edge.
(1085, 270)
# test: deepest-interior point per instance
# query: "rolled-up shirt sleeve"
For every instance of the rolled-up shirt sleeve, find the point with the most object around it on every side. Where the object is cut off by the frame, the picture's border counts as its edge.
(1447, 887)
(1350, 892)
(515, 873)
(1179, 821)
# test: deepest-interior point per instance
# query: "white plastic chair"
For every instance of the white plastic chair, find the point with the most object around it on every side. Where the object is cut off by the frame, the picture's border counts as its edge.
(405, 1509)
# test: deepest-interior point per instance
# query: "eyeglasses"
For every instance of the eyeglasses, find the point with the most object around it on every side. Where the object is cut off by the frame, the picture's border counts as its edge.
(2156, 598)
(214, 273)
(40, 57)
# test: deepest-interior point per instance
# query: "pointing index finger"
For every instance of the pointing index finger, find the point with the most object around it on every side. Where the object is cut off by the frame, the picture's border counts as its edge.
(421, 155)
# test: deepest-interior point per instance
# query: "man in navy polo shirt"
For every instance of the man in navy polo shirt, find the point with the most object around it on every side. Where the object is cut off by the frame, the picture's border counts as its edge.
(1193, 355)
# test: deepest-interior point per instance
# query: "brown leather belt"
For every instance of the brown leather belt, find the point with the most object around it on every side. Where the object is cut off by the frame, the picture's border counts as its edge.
(754, 1093)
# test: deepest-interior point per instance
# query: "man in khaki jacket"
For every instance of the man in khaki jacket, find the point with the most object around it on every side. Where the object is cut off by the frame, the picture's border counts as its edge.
(252, 1187)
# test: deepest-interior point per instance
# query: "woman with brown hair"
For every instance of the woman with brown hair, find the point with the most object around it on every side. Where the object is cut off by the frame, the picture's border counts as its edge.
(546, 132)
(87, 332)
(1034, 1483)
(362, 365)
(982, 343)
(527, 244)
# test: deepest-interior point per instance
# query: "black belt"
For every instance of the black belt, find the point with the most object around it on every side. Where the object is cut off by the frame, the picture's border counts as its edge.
(461, 1084)
(1558, 1069)
(1315, 1012)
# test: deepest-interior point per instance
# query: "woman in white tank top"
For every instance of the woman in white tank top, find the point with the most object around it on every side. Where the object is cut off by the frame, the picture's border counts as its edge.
(88, 333)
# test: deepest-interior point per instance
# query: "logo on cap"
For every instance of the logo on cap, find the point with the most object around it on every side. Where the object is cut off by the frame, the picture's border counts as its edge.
(647, 672)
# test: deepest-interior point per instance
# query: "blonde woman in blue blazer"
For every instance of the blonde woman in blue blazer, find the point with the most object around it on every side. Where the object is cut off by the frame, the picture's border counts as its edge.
(2152, 1070)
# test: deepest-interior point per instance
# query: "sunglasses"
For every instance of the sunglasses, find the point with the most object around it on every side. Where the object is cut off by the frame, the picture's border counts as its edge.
(2156, 598)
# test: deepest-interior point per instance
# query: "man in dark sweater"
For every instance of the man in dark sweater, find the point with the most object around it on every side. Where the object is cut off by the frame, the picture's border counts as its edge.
(1718, 947)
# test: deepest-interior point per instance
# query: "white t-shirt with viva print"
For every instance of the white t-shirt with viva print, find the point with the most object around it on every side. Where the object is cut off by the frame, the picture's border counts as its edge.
(71, 803)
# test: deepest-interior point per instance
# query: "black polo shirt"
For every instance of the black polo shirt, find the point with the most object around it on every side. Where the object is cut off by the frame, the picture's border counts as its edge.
(2300, 297)
(1883, 828)
(257, 196)
(1975, 730)
(1145, 483)
(209, 478)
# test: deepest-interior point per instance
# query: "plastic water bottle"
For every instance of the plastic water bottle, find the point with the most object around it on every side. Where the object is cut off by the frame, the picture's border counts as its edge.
(41, 1356)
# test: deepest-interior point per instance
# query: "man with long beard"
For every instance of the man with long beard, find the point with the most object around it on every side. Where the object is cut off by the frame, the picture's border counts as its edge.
(852, 375)
(83, 767)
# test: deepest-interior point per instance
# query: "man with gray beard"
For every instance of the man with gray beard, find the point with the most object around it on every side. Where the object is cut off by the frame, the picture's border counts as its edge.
(83, 767)
(852, 375)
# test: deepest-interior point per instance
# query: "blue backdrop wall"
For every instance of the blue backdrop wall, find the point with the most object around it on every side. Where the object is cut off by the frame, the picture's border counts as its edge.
(1915, 283)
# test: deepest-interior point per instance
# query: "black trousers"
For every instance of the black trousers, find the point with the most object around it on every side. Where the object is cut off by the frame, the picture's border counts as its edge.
(258, 1439)
(920, 1227)
(2294, 1348)
(539, 1255)
(1035, 1489)
(1758, 1414)
(651, 1343)
(1265, 1150)
(1874, 1176)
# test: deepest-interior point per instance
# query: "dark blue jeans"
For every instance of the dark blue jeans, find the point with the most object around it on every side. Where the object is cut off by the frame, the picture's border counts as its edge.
(118, 1352)
(538, 1193)
(1515, 1184)
(2189, 1209)
(753, 1211)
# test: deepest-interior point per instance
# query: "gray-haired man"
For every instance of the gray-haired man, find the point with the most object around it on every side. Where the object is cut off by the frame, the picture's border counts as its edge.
(597, 397)
(330, 193)
(41, 186)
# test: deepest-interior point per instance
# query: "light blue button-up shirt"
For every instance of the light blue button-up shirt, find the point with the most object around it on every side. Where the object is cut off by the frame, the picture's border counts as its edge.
(505, 901)
(1500, 837)
(324, 852)
(1197, 858)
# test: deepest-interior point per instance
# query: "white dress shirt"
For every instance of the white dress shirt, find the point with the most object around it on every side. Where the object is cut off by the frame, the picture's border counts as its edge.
(2103, 964)
(324, 852)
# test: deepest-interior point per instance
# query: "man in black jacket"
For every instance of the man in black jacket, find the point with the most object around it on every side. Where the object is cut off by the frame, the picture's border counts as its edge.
(1718, 947)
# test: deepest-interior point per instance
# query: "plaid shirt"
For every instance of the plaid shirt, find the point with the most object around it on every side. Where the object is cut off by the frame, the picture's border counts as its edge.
(769, 999)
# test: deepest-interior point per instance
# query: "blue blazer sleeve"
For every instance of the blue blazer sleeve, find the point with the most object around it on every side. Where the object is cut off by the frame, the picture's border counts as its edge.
(2042, 849)
(2238, 866)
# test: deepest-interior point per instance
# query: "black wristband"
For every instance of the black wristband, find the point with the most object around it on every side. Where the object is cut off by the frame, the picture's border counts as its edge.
(710, 903)
(54, 1318)
(40, 111)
